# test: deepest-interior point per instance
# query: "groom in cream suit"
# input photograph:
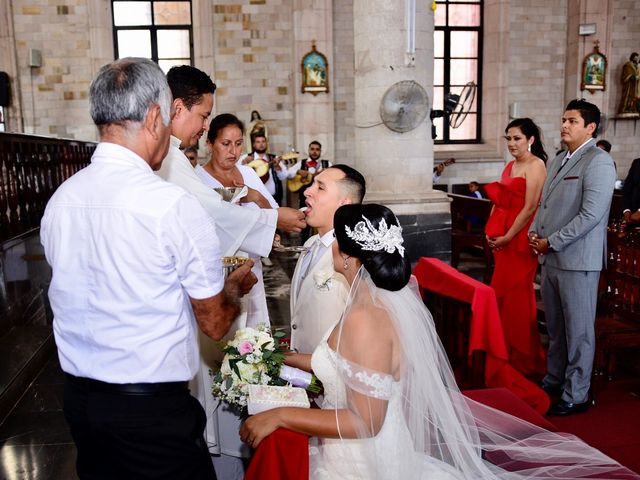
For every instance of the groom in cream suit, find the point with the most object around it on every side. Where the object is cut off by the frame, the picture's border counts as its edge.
(569, 235)
(318, 293)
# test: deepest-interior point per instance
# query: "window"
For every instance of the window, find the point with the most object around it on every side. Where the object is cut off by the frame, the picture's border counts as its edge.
(159, 30)
(457, 61)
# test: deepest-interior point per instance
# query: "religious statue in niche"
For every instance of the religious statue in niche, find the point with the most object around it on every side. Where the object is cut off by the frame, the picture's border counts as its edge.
(257, 126)
(315, 72)
(594, 70)
(630, 102)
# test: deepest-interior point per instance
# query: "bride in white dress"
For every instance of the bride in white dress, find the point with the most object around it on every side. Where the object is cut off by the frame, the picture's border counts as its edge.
(391, 408)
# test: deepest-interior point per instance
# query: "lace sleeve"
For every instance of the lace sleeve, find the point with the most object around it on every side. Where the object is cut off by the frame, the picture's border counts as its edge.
(362, 380)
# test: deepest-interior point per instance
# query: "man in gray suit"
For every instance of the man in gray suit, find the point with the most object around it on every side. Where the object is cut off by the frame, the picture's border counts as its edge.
(569, 235)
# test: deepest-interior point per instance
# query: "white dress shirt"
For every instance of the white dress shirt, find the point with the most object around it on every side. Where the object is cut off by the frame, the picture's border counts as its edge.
(127, 251)
(315, 308)
(238, 228)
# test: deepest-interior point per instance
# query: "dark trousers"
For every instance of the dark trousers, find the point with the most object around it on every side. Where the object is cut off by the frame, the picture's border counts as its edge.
(124, 435)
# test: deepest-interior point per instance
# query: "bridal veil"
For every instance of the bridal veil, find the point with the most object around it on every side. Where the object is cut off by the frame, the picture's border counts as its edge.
(440, 432)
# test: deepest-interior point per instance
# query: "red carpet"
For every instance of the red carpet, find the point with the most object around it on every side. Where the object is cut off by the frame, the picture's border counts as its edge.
(613, 425)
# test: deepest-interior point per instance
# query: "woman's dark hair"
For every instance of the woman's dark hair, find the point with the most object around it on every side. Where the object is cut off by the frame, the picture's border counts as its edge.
(530, 129)
(390, 271)
(221, 121)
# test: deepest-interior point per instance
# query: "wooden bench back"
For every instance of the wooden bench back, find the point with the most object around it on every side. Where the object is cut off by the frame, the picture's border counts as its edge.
(469, 215)
(464, 207)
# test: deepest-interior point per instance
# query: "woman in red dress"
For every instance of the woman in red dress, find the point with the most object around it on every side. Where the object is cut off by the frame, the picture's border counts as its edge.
(515, 200)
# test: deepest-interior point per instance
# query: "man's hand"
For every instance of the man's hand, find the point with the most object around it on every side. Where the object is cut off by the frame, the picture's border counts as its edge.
(540, 245)
(216, 314)
(291, 219)
(240, 281)
(303, 173)
(626, 216)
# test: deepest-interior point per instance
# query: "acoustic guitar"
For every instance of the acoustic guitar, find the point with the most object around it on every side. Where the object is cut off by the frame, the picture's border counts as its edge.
(296, 183)
(446, 164)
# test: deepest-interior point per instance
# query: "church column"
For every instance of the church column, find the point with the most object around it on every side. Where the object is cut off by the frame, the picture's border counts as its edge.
(398, 166)
(8, 63)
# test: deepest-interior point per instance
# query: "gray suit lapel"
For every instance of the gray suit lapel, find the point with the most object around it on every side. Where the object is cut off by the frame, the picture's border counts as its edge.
(570, 167)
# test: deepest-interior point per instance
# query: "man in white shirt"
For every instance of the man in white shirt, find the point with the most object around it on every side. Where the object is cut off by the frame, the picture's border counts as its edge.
(318, 293)
(130, 254)
(238, 228)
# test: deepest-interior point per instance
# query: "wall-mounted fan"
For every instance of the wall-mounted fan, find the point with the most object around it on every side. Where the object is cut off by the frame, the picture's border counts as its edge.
(404, 105)
(456, 107)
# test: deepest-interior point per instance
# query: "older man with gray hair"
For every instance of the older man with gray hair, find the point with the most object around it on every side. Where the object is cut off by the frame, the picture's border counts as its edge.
(133, 259)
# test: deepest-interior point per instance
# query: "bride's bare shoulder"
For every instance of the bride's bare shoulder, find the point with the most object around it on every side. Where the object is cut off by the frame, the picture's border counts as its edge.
(368, 318)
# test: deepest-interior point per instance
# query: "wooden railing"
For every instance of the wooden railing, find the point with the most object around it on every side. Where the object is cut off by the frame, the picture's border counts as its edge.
(31, 168)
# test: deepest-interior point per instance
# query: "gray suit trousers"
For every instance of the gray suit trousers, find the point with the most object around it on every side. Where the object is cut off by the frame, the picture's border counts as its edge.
(570, 299)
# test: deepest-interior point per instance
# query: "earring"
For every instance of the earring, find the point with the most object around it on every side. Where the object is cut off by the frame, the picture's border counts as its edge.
(345, 265)
(529, 147)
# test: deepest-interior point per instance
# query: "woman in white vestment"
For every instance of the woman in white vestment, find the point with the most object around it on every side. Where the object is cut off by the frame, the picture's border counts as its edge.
(225, 142)
(391, 407)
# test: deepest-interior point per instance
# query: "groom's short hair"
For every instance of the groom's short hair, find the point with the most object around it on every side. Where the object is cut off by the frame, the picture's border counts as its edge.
(353, 183)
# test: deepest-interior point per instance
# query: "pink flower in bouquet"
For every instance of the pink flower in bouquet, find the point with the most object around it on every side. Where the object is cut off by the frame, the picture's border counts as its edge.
(245, 347)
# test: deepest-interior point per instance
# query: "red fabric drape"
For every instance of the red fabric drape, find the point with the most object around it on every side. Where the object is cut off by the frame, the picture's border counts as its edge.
(283, 455)
(486, 329)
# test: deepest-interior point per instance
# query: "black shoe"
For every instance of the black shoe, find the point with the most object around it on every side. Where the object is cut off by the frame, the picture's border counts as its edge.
(552, 390)
(563, 408)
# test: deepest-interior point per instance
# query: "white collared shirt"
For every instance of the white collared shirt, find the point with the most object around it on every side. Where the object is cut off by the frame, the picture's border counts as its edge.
(571, 154)
(127, 251)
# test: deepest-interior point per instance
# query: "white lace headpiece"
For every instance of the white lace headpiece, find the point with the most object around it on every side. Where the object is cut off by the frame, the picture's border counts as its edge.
(372, 239)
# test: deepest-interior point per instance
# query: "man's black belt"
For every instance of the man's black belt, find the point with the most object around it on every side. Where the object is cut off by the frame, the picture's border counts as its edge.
(126, 388)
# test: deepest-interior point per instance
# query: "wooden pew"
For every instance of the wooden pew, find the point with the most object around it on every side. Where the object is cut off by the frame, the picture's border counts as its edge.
(618, 321)
(468, 218)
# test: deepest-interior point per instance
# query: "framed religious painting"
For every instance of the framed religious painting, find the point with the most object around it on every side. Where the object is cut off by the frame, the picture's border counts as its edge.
(594, 71)
(315, 72)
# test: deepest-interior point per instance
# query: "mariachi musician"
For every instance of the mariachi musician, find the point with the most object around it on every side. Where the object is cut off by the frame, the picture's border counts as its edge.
(268, 167)
(301, 173)
(438, 169)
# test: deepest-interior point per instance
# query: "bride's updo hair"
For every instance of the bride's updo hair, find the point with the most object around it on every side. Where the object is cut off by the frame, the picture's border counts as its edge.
(390, 271)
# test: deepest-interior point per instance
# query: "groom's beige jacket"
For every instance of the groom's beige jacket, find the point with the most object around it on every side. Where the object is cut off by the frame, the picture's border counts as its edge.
(315, 307)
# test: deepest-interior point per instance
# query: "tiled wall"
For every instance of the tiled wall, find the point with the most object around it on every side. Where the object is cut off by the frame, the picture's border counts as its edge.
(253, 63)
(343, 75)
(54, 96)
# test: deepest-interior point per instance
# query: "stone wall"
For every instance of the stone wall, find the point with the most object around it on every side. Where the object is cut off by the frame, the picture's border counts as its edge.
(343, 76)
(54, 96)
(536, 59)
(624, 134)
(253, 64)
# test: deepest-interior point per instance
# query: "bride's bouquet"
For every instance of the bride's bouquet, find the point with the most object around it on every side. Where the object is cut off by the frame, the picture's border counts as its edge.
(253, 357)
